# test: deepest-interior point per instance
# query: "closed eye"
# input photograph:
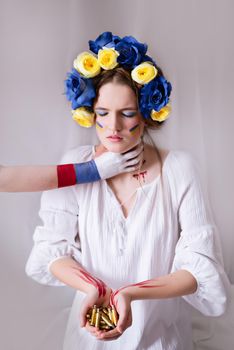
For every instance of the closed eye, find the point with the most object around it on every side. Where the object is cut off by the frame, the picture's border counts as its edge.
(129, 114)
(101, 113)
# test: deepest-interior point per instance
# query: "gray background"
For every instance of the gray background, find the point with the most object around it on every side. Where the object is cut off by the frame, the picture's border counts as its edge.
(193, 42)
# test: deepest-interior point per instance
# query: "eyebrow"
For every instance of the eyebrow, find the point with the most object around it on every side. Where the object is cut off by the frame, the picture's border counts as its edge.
(122, 109)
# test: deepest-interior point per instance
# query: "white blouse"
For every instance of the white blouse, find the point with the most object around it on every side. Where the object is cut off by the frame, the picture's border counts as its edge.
(169, 228)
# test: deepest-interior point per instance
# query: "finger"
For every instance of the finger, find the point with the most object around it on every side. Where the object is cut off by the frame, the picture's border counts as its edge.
(129, 321)
(110, 334)
(83, 312)
(122, 322)
(130, 169)
(91, 329)
(109, 339)
(83, 318)
(133, 153)
(134, 150)
(132, 162)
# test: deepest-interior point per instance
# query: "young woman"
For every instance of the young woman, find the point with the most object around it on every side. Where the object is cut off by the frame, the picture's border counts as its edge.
(143, 241)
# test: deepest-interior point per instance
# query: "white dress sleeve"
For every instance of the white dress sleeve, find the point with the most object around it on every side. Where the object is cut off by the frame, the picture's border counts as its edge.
(58, 236)
(198, 249)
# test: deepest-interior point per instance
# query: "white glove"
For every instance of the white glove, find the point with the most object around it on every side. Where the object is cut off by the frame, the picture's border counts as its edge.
(110, 164)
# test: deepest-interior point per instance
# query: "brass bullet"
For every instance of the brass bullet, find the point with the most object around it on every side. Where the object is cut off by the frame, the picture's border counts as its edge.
(110, 314)
(114, 316)
(104, 318)
(92, 322)
(97, 319)
(105, 311)
(107, 320)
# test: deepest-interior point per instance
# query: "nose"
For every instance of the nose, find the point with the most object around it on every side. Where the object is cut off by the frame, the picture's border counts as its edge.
(114, 122)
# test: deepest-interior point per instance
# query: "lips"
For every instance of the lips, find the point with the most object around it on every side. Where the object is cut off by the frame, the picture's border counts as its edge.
(114, 138)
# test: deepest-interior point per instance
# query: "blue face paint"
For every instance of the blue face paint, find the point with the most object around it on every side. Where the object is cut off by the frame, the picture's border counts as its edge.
(99, 125)
(134, 128)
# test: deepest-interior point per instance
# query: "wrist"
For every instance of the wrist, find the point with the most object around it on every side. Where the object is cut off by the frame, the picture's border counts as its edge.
(127, 292)
(91, 289)
(124, 292)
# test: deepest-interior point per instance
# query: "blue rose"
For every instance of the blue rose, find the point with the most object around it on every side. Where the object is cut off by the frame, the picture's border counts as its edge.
(131, 52)
(80, 91)
(154, 95)
(106, 39)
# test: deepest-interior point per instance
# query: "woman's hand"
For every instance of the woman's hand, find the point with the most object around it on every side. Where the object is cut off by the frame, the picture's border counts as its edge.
(122, 302)
(92, 298)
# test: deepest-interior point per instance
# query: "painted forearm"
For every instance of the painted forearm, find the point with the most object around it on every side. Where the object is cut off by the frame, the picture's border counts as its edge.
(46, 177)
(71, 174)
(173, 285)
(70, 272)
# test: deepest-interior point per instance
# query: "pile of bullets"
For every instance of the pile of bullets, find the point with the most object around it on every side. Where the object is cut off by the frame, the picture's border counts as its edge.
(102, 317)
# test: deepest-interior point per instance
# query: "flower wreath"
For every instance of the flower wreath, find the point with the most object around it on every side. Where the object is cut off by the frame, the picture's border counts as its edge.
(109, 51)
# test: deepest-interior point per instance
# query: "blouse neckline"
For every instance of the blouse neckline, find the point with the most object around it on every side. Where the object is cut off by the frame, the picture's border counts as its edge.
(142, 188)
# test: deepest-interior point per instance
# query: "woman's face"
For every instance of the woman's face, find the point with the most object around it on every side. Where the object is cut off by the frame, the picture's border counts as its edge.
(119, 123)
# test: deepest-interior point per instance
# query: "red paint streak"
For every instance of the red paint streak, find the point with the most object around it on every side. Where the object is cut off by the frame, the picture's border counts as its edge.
(85, 276)
(150, 286)
(114, 294)
(142, 284)
(141, 174)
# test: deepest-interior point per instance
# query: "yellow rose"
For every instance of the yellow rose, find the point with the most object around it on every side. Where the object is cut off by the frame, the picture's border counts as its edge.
(83, 117)
(162, 114)
(144, 73)
(107, 58)
(87, 64)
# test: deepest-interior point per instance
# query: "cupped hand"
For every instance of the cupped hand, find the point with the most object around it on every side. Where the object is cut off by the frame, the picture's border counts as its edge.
(93, 298)
(122, 303)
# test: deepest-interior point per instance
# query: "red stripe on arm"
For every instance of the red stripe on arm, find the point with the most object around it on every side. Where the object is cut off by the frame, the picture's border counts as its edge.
(88, 278)
(66, 175)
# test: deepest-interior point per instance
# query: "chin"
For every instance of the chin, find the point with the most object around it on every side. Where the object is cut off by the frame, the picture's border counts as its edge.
(118, 147)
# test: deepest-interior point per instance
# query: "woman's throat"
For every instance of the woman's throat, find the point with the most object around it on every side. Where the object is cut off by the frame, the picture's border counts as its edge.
(142, 174)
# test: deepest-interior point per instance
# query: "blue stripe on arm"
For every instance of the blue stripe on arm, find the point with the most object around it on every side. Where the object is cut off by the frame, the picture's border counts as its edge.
(86, 172)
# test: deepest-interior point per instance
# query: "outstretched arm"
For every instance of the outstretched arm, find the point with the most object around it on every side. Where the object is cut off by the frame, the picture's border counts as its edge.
(41, 178)
(28, 178)
(172, 285)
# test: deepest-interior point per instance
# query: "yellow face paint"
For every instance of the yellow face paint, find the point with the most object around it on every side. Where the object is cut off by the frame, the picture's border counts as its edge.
(99, 126)
(134, 129)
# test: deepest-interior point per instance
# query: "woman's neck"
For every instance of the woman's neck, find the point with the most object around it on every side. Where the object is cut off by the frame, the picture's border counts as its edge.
(150, 166)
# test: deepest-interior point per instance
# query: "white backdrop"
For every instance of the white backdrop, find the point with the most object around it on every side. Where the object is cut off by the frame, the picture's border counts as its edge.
(193, 42)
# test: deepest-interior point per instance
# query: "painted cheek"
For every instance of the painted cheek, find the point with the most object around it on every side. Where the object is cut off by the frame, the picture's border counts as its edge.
(99, 126)
(134, 130)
